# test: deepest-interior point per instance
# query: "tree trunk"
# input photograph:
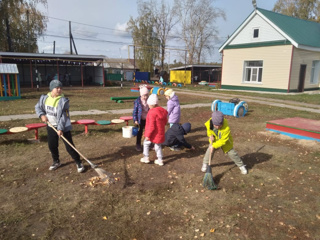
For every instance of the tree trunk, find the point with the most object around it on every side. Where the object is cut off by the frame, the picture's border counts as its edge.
(8, 36)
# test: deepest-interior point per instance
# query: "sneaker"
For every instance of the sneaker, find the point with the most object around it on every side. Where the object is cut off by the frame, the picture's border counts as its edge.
(174, 149)
(138, 148)
(159, 162)
(80, 168)
(145, 160)
(54, 166)
(243, 170)
(204, 167)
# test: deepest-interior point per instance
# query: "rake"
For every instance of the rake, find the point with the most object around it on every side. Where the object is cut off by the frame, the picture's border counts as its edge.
(103, 175)
(208, 181)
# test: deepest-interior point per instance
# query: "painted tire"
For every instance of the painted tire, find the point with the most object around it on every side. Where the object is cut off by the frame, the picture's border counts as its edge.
(179, 85)
(214, 105)
(174, 84)
(240, 109)
(160, 91)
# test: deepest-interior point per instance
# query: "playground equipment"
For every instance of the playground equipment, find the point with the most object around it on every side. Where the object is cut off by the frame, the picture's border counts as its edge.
(234, 108)
(204, 83)
(296, 127)
(157, 90)
(120, 99)
(9, 82)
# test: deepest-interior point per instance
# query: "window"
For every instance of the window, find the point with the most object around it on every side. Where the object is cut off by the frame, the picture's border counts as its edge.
(253, 71)
(255, 33)
(315, 72)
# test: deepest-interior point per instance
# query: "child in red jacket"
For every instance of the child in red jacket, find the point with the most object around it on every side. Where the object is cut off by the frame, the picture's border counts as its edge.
(154, 130)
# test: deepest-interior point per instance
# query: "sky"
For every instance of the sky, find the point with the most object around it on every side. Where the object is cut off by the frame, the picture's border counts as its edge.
(98, 26)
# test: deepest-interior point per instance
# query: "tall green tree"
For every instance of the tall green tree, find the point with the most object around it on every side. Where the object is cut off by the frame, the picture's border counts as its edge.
(303, 9)
(145, 39)
(20, 25)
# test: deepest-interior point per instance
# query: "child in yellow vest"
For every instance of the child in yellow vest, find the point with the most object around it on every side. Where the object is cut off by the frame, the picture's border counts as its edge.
(219, 135)
(54, 108)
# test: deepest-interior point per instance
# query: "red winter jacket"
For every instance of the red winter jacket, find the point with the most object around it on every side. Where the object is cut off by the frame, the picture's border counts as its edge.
(155, 125)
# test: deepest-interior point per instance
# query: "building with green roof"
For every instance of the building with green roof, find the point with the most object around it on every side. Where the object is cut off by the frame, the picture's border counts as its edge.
(272, 52)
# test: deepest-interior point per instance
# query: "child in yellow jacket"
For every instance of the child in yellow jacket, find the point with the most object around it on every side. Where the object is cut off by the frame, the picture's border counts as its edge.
(219, 135)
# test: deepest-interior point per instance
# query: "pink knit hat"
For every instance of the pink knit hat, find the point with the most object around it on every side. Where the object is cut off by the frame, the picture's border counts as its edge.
(144, 90)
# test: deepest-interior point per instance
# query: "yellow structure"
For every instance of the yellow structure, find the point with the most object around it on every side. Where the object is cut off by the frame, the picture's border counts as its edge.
(180, 76)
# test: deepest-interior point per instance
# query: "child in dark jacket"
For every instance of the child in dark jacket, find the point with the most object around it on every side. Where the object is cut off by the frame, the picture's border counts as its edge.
(175, 137)
(154, 130)
(54, 108)
(139, 114)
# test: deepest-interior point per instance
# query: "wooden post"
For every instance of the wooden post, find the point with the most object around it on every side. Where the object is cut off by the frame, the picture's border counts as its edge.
(31, 76)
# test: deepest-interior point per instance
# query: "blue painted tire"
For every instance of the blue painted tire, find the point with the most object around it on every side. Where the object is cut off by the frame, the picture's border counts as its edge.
(240, 109)
(214, 105)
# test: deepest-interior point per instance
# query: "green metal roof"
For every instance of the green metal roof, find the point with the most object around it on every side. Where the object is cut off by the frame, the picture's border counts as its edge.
(301, 31)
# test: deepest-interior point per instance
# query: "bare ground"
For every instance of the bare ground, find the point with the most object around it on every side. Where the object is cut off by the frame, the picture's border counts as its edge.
(278, 199)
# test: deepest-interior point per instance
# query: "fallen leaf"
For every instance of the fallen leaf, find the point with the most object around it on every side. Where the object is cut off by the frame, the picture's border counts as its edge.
(212, 230)
(105, 218)
(148, 213)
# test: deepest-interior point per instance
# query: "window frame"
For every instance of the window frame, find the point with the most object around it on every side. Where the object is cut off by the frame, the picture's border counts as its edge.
(315, 71)
(254, 68)
(256, 30)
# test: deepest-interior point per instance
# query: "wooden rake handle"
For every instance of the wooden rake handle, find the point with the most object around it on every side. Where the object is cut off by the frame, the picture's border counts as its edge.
(91, 164)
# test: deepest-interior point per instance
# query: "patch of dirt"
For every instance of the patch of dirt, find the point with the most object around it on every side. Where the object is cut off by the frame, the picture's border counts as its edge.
(278, 199)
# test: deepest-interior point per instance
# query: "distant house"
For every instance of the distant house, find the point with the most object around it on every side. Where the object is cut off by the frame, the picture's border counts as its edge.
(272, 52)
(115, 66)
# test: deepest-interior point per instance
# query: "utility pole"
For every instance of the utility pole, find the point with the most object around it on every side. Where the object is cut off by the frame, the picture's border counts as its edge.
(70, 36)
(28, 26)
(185, 67)
(121, 74)
(54, 47)
(37, 79)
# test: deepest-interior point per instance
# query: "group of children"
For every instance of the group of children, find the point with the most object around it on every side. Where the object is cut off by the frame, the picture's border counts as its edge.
(149, 116)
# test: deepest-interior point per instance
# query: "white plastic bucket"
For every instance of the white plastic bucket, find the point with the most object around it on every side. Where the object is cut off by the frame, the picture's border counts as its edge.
(127, 132)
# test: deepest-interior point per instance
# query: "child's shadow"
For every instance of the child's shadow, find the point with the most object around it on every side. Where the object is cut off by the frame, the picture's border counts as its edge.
(257, 157)
(249, 160)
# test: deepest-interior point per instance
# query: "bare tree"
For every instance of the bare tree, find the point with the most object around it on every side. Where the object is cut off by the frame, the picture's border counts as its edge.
(303, 9)
(197, 31)
(165, 20)
(162, 19)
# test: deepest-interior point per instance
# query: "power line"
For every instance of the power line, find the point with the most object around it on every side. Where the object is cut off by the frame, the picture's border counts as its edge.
(85, 24)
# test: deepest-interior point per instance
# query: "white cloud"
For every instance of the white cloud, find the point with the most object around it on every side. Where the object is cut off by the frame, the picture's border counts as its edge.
(121, 30)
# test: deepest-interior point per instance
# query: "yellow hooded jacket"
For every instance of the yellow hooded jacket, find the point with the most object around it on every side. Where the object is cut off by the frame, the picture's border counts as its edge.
(223, 139)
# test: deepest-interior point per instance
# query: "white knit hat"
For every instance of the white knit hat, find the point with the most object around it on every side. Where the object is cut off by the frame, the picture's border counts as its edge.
(170, 93)
(153, 99)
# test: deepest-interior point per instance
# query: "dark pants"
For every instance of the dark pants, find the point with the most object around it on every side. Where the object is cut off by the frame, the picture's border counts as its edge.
(141, 128)
(53, 143)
